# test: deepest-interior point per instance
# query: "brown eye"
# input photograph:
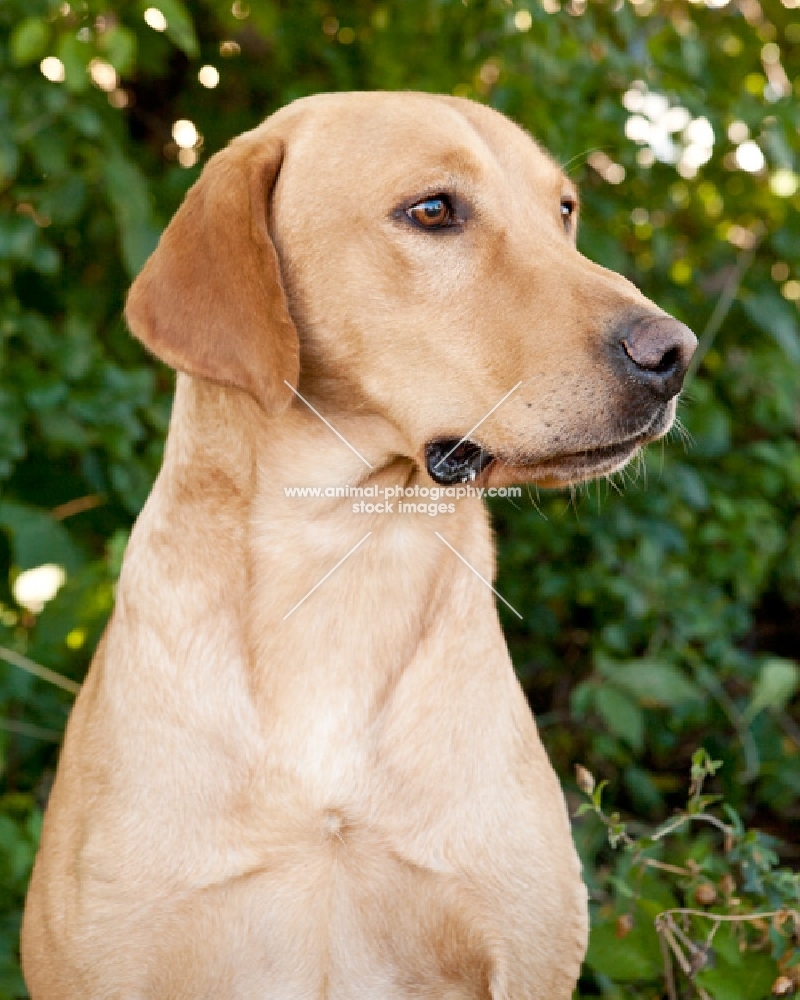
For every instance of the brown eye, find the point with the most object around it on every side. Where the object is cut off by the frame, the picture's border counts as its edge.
(568, 207)
(432, 213)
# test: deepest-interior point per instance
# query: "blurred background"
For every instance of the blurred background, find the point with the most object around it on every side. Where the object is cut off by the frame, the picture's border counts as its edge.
(661, 611)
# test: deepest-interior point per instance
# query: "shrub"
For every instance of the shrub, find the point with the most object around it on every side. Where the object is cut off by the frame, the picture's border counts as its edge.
(654, 621)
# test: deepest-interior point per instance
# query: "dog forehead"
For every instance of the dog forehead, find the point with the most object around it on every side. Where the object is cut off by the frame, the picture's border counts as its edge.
(378, 139)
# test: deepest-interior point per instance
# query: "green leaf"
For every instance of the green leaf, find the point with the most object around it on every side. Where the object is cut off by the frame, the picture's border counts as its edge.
(180, 28)
(597, 794)
(691, 485)
(621, 714)
(119, 45)
(651, 681)
(75, 55)
(703, 763)
(9, 160)
(736, 975)
(780, 151)
(36, 538)
(777, 682)
(635, 957)
(29, 40)
(130, 198)
(773, 314)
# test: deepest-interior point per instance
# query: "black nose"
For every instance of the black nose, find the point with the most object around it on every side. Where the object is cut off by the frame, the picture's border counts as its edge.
(657, 351)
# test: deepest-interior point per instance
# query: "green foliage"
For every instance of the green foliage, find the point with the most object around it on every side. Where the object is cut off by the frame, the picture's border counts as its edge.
(715, 910)
(654, 621)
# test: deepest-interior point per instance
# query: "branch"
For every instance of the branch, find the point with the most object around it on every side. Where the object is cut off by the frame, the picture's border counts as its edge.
(687, 818)
(18, 660)
(720, 917)
(34, 732)
(723, 306)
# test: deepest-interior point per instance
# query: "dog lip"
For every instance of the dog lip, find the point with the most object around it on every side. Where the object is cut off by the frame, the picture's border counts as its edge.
(600, 453)
(584, 463)
(556, 471)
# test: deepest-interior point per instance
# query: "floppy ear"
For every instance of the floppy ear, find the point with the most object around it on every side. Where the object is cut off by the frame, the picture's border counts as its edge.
(209, 301)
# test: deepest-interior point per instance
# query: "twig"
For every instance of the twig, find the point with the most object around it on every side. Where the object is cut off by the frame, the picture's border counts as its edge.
(652, 863)
(720, 917)
(752, 760)
(77, 506)
(34, 732)
(687, 818)
(669, 973)
(723, 306)
(667, 931)
(18, 660)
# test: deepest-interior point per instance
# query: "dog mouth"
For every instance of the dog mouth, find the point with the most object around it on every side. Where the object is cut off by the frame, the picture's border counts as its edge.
(452, 460)
(597, 460)
(593, 462)
(584, 464)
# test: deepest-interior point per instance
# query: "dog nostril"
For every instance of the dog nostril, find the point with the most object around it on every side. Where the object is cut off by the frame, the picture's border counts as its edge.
(653, 361)
(667, 363)
(659, 349)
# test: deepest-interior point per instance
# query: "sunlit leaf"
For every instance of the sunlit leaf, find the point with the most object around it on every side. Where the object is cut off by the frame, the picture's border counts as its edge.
(29, 40)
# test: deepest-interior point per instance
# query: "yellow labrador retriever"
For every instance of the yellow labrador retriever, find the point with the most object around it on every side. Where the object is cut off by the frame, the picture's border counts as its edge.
(301, 766)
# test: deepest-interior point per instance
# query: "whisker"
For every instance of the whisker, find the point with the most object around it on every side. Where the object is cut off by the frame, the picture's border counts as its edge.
(534, 504)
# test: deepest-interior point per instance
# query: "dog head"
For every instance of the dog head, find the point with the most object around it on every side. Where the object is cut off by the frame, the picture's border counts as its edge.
(421, 250)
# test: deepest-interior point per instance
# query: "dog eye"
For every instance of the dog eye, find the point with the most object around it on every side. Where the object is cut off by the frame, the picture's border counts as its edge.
(432, 213)
(568, 207)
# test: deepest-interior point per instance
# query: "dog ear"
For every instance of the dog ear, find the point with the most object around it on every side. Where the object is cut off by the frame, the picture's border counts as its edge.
(209, 301)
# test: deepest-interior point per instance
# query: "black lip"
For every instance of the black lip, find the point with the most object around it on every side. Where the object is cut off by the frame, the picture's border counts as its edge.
(586, 458)
(589, 461)
(603, 452)
(451, 460)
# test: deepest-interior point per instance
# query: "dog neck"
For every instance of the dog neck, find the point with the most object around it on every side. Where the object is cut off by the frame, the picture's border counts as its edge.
(299, 608)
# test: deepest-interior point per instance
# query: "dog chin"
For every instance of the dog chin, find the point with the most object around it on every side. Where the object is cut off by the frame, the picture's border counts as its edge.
(569, 468)
(563, 470)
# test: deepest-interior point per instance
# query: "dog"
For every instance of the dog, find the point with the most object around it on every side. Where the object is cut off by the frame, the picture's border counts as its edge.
(301, 765)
